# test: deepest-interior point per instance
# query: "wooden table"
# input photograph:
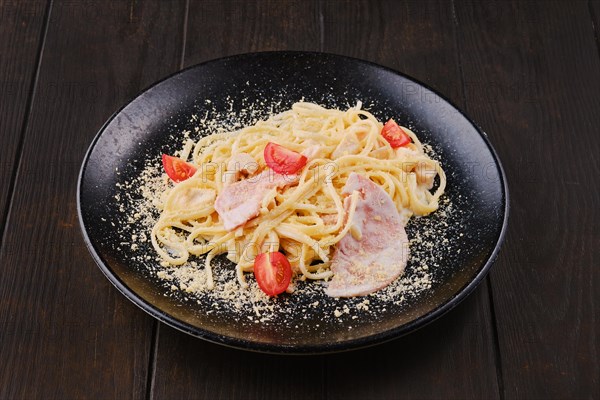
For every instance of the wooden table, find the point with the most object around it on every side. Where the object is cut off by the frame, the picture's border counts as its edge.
(527, 72)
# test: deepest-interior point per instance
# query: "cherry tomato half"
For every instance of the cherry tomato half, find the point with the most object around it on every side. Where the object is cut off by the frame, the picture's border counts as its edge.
(282, 160)
(273, 272)
(177, 169)
(395, 136)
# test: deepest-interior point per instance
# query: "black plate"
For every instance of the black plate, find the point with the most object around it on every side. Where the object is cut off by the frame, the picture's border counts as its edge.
(458, 256)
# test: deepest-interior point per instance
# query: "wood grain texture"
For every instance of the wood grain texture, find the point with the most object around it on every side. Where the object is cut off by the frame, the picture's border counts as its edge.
(204, 370)
(414, 37)
(417, 38)
(527, 72)
(66, 332)
(594, 7)
(449, 359)
(535, 79)
(21, 34)
(221, 28)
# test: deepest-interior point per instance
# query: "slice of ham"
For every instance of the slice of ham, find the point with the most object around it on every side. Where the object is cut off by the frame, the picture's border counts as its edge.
(425, 174)
(311, 152)
(241, 201)
(349, 144)
(238, 164)
(382, 153)
(375, 250)
(314, 151)
(329, 219)
(191, 199)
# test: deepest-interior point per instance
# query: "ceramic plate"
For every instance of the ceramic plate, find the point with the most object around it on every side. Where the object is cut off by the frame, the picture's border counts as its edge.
(457, 245)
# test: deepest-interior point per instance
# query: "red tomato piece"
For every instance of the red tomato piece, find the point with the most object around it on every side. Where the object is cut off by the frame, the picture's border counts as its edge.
(282, 160)
(395, 136)
(273, 272)
(177, 169)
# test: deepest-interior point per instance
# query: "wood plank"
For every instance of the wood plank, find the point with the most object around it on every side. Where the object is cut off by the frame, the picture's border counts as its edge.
(21, 33)
(204, 370)
(249, 26)
(535, 79)
(66, 332)
(449, 359)
(201, 369)
(413, 37)
(417, 38)
(429, 364)
(594, 6)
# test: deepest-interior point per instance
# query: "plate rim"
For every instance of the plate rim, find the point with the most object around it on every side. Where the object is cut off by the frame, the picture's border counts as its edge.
(261, 347)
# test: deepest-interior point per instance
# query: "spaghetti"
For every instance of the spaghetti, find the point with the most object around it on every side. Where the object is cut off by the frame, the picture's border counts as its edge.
(305, 218)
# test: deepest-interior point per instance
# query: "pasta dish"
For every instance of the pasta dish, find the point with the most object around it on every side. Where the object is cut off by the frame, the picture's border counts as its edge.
(315, 193)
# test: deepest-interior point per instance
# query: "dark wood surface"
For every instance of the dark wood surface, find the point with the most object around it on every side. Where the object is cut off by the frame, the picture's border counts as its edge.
(527, 72)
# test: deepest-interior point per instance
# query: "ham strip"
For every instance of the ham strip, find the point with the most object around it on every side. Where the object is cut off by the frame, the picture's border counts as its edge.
(314, 151)
(192, 199)
(348, 145)
(240, 162)
(375, 250)
(241, 201)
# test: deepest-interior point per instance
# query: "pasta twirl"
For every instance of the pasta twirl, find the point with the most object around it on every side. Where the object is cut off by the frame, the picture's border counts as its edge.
(305, 220)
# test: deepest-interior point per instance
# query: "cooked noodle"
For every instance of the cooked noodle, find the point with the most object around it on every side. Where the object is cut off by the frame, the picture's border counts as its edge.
(303, 220)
